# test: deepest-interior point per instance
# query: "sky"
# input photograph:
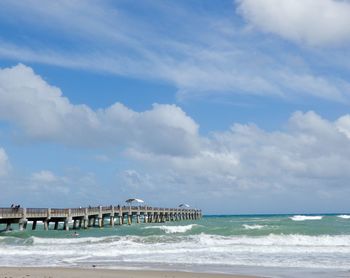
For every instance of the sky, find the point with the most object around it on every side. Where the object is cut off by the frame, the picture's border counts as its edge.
(234, 107)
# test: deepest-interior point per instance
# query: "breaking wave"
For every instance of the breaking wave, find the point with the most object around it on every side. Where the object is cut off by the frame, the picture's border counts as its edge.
(344, 216)
(306, 217)
(253, 227)
(202, 249)
(173, 229)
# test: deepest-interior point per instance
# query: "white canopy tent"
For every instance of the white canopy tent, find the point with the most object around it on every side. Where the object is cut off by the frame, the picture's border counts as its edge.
(184, 206)
(132, 200)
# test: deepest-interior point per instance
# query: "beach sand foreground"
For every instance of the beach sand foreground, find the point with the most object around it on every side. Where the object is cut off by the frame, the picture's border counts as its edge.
(47, 272)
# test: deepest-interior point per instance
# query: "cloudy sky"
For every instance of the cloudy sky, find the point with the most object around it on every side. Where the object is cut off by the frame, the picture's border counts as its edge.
(231, 106)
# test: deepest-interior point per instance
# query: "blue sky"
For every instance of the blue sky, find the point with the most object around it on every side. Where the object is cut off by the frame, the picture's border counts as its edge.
(231, 106)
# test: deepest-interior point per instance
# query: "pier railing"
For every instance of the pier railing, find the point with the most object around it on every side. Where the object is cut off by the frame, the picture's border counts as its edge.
(11, 212)
(86, 217)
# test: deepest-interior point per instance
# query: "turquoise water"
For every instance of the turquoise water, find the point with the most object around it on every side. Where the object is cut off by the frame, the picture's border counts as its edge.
(280, 244)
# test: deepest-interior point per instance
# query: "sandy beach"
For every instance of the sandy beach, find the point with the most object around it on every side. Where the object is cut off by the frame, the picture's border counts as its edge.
(40, 272)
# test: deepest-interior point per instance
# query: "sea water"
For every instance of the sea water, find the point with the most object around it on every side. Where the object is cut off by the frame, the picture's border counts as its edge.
(267, 245)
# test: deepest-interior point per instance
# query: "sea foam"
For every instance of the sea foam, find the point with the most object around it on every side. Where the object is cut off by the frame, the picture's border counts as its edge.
(306, 217)
(213, 243)
(173, 229)
(201, 249)
(344, 216)
(253, 227)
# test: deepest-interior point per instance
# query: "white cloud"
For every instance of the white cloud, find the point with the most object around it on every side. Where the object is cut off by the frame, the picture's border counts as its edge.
(49, 189)
(343, 125)
(310, 154)
(199, 56)
(41, 112)
(4, 163)
(311, 22)
(44, 176)
(47, 183)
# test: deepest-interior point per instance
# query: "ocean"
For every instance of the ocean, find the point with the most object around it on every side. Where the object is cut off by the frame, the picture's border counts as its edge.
(268, 245)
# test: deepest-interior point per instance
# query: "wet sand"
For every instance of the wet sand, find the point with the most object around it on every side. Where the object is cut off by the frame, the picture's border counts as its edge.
(47, 272)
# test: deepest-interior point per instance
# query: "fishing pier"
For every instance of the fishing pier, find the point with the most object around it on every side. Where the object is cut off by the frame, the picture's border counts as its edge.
(83, 218)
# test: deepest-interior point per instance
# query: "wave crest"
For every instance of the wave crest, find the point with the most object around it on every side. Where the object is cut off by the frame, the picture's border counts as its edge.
(306, 217)
(344, 216)
(253, 227)
(173, 229)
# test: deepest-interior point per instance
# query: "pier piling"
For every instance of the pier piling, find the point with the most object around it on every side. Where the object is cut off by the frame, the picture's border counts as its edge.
(92, 216)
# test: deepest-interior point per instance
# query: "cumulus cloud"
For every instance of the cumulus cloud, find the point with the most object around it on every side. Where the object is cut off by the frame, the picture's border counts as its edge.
(343, 125)
(41, 112)
(311, 22)
(4, 163)
(311, 152)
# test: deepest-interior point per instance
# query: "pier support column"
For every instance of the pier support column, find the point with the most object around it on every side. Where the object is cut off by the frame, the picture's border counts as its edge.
(69, 217)
(145, 217)
(90, 221)
(46, 221)
(100, 217)
(129, 219)
(85, 223)
(56, 225)
(86, 218)
(74, 224)
(66, 224)
(80, 223)
(111, 217)
(23, 221)
(22, 224)
(111, 221)
(100, 222)
(48, 214)
(138, 218)
(34, 225)
(46, 225)
(8, 226)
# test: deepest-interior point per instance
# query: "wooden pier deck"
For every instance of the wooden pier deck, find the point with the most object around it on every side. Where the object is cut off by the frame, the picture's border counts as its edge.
(77, 218)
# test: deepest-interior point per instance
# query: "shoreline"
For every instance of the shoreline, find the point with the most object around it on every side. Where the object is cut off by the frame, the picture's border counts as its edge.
(64, 272)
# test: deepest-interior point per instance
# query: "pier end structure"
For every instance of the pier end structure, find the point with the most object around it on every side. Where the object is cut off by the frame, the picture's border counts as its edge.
(78, 218)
